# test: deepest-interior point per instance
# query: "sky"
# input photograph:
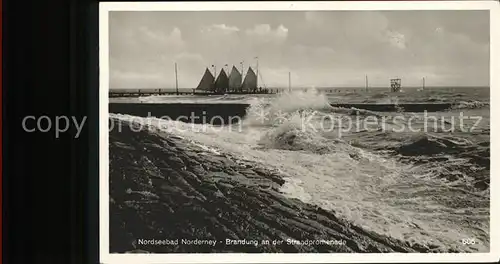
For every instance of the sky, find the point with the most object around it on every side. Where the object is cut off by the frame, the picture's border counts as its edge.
(318, 48)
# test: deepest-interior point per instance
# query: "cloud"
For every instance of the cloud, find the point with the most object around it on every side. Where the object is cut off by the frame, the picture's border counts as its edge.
(218, 33)
(449, 47)
(396, 39)
(264, 33)
(220, 28)
(217, 42)
(172, 39)
(282, 31)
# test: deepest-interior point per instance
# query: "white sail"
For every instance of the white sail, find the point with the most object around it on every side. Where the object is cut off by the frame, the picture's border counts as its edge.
(234, 80)
(250, 81)
(222, 82)
(207, 82)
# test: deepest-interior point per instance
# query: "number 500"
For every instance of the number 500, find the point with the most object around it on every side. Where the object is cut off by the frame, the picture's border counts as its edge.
(468, 241)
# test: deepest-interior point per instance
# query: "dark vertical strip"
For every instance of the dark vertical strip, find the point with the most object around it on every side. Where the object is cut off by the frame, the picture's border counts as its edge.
(73, 93)
(84, 93)
(1, 139)
(91, 91)
(37, 175)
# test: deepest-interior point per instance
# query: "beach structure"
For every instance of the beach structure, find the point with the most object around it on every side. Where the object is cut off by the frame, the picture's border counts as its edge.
(423, 85)
(395, 85)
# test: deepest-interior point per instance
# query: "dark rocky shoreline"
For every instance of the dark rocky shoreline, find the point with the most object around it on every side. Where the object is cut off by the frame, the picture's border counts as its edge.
(164, 187)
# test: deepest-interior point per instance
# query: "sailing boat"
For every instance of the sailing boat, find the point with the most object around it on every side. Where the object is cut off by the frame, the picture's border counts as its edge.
(234, 80)
(232, 84)
(222, 83)
(249, 84)
(207, 82)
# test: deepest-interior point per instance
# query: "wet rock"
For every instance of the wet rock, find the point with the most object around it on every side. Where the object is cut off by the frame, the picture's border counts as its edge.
(175, 162)
(482, 185)
(215, 197)
(123, 145)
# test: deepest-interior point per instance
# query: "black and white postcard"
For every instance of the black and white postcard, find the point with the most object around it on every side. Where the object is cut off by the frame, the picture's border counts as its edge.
(285, 129)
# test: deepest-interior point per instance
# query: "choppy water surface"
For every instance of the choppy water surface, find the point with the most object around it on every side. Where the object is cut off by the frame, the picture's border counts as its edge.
(420, 177)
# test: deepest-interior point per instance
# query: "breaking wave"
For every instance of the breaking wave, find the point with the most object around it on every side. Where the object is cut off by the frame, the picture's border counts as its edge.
(427, 188)
(470, 105)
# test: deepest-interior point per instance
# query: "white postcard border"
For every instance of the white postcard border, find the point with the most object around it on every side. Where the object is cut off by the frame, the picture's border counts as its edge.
(106, 257)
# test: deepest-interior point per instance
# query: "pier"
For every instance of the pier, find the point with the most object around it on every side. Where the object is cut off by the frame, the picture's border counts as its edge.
(114, 93)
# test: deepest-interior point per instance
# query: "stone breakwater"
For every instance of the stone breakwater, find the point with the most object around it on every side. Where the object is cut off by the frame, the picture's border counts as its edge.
(165, 188)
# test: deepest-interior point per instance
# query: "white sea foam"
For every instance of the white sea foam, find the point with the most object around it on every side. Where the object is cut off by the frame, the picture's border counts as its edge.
(374, 191)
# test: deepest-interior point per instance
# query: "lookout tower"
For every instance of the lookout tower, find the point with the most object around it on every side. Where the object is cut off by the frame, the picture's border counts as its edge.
(395, 85)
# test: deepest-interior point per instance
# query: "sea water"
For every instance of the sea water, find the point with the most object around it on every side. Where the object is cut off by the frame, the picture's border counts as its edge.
(428, 184)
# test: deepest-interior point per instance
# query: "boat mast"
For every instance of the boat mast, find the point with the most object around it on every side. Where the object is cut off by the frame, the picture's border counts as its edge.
(366, 83)
(215, 77)
(241, 83)
(176, 83)
(289, 82)
(257, 81)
